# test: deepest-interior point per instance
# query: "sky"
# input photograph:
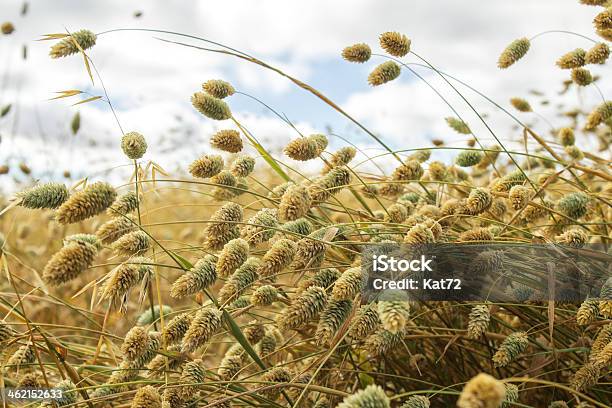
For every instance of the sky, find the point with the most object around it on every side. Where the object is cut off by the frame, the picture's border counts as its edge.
(150, 81)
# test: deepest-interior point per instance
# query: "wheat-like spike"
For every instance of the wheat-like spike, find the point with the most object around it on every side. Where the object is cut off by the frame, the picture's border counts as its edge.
(91, 201)
(23, 356)
(332, 318)
(240, 280)
(416, 401)
(85, 38)
(210, 106)
(599, 115)
(482, 391)
(513, 52)
(223, 227)
(49, 195)
(572, 59)
(395, 43)
(149, 316)
(409, 170)
(115, 228)
(69, 395)
(132, 243)
(176, 328)
(260, 227)
(304, 308)
(382, 341)
(359, 53)
(330, 184)
(394, 314)
(123, 205)
(349, 284)
(203, 326)
(201, 276)
(194, 373)
(310, 251)
(521, 104)
(585, 377)
(510, 349)
(206, 166)
(295, 203)
(278, 257)
(234, 254)
(126, 276)
(479, 318)
(68, 263)
(218, 88)
(147, 397)
(573, 205)
(383, 73)
(275, 375)
(598, 54)
(135, 343)
(264, 295)
(365, 322)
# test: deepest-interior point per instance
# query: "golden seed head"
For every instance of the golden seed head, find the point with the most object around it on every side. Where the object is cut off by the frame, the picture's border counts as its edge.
(585, 377)
(240, 281)
(566, 136)
(303, 308)
(306, 148)
(357, 53)
(574, 152)
(573, 59)
(260, 227)
(476, 234)
(479, 200)
(295, 203)
(69, 262)
(132, 243)
(383, 341)
(396, 213)
(123, 205)
(372, 396)
(520, 104)
(342, 157)
(598, 54)
(133, 145)
(600, 115)
(603, 20)
(519, 196)
(587, 312)
(513, 52)
(85, 38)
(176, 328)
(204, 325)
(419, 234)
(437, 171)
(383, 73)
(582, 76)
(275, 375)
(201, 276)
(234, 254)
(114, 229)
(366, 320)
(482, 391)
(49, 195)
(395, 43)
(126, 276)
(510, 349)
(218, 88)
(330, 184)
(279, 256)
(594, 2)
(7, 28)
(264, 295)
(421, 155)
(135, 344)
(91, 201)
(206, 166)
(242, 166)
(147, 397)
(410, 170)
(479, 318)
(394, 313)
(227, 140)
(29, 380)
(458, 126)
(211, 107)
(223, 227)
(349, 284)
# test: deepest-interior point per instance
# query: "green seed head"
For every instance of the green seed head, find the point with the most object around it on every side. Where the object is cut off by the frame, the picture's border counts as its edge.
(50, 195)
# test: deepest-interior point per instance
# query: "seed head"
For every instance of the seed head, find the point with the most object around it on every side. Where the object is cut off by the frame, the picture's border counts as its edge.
(506, 182)
(421, 155)
(394, 315)
(242, 166)
(513, 52)
(372, 396)
(29, 380)
(176, 328)
(587, 312)
(519, 196)
(135, 344)
(206, 166)
(132, 243)
(278, 191)
(7, 28)
(68, 263)
(240, 280)
(295, 203)
(261, 227)
(593, 2)
(479, 200)
(566, 136)
(396, 213)
(275, 375)
(90, 201)
(520, 104)
(85, 38)
(68, 392)
(147, 397)
(573, 59)
(24, 355)
(598, 54)
(365, 322)
(254, 331)
(416, 401)
(395, 43)
(419, 234)
(601, 114)
(218, 88)
(468, 158)
(279, 256)
(204, 325)
(114, 229)
(194, 372)
(234, 254)
(585, 377)
(210, 106)
(359, 53)
(342, 157)
(324, 278)
(50, 195)
(201, 276)
(126, 276)
(478, 321)
(383, 73)
(227, 140)
(410, 170)
(603, 20)
(306, 148)
(604, 337)
(582, 76)
(223, 227)
(133, 145)
(332, 318)
(573, 205)
(264, 295)
(304, 308)
(510, 349)
(574, 152)
(232, 363)
(124, 204)
(482, 391)
(330, 184)
(349, 284)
